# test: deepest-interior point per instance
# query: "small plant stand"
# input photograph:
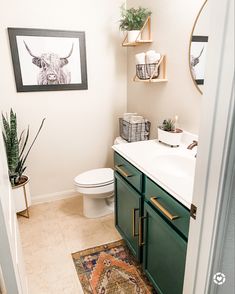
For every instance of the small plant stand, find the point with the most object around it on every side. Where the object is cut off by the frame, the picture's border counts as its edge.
(162, 76)
(145, 29)
(17, 190)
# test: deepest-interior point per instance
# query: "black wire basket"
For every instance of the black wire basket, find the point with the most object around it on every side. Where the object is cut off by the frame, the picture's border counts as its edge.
(146, 71)
(133, 132)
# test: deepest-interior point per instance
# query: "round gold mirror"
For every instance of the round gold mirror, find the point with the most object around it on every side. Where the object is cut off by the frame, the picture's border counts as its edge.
(198, 47)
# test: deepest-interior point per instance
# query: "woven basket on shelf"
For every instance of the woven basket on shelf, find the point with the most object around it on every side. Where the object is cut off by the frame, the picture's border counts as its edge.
(145, 71)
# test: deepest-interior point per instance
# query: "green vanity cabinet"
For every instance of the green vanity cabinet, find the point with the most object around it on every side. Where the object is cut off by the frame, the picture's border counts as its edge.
(154, 225)
(164, 253)
(127, 212)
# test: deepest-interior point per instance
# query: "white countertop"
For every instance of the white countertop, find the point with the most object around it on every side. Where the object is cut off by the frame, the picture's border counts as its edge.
(148, 157)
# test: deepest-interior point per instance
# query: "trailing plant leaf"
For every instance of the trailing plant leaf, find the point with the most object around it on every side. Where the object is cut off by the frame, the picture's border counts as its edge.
(133, 19)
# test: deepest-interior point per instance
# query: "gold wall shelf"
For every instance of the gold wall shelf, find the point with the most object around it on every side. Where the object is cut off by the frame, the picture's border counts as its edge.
(162, 75)
(145, 29)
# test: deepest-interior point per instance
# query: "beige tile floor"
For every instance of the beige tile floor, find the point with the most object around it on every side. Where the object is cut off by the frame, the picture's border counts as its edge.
(54, 231)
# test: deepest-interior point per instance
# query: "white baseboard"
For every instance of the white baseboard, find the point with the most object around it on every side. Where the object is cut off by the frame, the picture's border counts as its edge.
(54, 196)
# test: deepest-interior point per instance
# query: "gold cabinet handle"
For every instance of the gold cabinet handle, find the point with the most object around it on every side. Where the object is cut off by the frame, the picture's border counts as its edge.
(163, 209)
(133, 222)
(121, 171)
(141, 237)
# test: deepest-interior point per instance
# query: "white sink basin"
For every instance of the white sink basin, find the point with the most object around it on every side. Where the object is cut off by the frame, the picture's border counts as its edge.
(172, 169)
(175, 165)
(175, 173)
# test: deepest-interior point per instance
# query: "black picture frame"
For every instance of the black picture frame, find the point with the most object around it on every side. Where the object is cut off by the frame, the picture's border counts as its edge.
(63, 79)
(199, 49)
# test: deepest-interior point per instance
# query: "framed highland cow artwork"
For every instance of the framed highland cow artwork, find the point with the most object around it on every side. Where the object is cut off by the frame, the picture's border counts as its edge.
(198, 52)
(48, 60)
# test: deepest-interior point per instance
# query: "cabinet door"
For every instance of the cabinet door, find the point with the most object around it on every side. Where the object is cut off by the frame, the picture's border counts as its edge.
(127, 205)
(164, 253)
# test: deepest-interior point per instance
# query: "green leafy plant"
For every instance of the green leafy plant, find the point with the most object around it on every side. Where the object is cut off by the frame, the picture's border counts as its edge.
(133, 19)
(168, 125)
(16, 147)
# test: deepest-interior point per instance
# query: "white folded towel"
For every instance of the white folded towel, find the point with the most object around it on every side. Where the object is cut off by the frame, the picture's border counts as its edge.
(140, 58)
(127, 116)
(136, 119)
(150, 52)
(152, 56)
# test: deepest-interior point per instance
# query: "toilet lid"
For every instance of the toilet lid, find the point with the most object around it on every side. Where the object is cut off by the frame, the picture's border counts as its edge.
(95, 177)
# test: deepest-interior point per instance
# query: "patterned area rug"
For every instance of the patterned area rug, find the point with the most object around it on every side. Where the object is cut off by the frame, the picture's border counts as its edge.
(110, 269)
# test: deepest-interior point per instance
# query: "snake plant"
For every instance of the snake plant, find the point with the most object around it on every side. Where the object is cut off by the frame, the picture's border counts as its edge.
(16, 147)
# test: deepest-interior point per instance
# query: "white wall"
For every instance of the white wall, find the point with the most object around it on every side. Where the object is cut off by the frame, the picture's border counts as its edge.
(80, 125)
(172, 23)
(202, 27)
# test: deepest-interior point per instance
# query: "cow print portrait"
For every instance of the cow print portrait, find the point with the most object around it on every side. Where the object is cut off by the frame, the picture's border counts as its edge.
(198, 49)
(51, 66)
(46, 60)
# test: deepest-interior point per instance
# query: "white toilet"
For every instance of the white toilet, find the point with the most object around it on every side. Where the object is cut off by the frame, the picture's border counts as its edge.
(97, 187)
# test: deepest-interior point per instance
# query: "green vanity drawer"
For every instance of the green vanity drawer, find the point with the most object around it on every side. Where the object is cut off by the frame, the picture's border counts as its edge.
(131, 174)
(177, 214)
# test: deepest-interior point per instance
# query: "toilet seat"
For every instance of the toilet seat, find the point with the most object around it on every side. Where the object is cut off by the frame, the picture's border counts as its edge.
(95, 178)
(93, 186)
(97, 192)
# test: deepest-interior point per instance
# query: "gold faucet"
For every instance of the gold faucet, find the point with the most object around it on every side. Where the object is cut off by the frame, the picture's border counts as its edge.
(192, 145)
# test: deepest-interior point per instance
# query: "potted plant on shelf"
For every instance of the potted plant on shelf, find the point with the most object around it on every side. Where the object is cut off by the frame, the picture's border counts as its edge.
(169, 134)
(16, 158)
(132, 21)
